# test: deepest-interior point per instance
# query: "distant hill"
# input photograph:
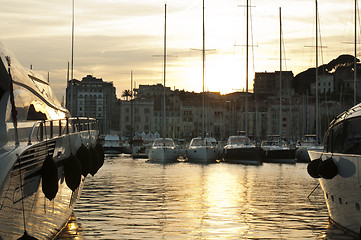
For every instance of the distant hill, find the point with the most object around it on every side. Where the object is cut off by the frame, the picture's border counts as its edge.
(344, 63)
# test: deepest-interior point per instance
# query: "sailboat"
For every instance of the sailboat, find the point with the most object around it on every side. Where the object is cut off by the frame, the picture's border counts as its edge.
(275, 149)
(309, 144)
(202, 149)
(338, 167)
(163, 150)
(239, 148)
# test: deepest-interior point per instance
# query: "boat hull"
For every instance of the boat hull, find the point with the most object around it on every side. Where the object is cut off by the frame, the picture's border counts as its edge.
(302, 153)
(343, 192)
(163, 155)
(243, 155)
(23, 187)
(203, 155)
(279, 155)
(113, 150)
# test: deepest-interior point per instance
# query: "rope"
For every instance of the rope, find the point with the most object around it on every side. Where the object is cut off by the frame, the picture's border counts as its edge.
(22, 193)
(308, 197)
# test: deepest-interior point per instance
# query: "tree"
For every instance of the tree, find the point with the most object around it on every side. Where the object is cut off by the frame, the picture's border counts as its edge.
(126, 94)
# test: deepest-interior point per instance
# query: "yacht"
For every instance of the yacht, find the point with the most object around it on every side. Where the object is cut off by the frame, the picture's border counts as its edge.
(338, 169)
(45, 154)
(276, 150)
(307, 143)
(139, 147)
(240, 149)
(164, 151)
(112, 144)
(202, 150)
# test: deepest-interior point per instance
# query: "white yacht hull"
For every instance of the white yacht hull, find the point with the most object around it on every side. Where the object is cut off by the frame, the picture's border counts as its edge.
(202, 154)
(21, 185)
(343, 192)
(163, 155)
(39, 157)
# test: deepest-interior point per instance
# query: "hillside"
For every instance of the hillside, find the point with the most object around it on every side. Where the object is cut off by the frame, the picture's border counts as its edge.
(340, 67)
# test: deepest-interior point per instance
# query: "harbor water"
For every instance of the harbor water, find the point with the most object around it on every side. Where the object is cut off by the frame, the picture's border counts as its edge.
(134, 199)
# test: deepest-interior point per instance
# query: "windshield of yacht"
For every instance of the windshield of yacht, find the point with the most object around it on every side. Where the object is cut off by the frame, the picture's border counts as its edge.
(238, 140)
(163, 142)
(197, 142)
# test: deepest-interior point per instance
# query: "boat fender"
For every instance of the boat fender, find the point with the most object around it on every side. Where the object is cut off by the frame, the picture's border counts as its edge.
(83, 154)
(96, 162)
(26, 236)
(328, 169)
(100, 150)
(312, 168)
(49, 176)
(72, 172)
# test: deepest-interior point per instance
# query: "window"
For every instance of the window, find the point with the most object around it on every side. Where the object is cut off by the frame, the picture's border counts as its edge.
(345, 137)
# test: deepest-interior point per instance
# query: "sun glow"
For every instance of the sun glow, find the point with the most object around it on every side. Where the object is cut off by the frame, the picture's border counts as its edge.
(222, 74)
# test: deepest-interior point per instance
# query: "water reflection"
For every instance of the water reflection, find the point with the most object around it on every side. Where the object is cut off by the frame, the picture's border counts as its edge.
(134, 199)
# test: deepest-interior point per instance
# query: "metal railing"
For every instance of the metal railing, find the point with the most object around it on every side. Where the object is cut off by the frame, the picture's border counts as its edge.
(48, 129)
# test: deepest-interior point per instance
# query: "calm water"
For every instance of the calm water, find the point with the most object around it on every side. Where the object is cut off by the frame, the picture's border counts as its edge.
(135, 199)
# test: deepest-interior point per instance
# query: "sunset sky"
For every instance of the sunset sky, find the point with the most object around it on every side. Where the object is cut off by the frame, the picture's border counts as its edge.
(115, 37)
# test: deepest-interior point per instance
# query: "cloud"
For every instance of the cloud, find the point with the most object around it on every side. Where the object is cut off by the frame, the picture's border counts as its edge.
(113, 37)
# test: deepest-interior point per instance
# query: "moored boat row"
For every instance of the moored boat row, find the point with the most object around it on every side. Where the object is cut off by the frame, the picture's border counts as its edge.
(238, 149)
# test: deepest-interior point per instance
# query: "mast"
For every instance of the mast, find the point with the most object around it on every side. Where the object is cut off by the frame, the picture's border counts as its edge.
(72, 60)
(203, 59)
(354, 62)
(131, 105)
(247, 70)
(131, 84)
(164, 67)
(280, 120)
(316, 115)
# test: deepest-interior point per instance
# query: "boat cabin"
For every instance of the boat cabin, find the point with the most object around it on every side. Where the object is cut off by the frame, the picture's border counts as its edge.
(344, 133)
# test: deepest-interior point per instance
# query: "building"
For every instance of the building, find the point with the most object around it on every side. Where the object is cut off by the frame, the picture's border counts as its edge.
(94, 98)
(267, 84)
(136, 116)
(326, 84)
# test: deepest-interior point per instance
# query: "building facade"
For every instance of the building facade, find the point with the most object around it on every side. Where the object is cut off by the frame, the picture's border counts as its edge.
(92, 97)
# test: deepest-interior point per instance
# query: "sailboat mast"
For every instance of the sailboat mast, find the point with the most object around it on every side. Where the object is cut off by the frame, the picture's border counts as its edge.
(131, 104)
(203, 59)
(164, 67)
(280, 120)
(72, 60)
(354, 62)
(247, 44)
(316, 115)
(131, 84)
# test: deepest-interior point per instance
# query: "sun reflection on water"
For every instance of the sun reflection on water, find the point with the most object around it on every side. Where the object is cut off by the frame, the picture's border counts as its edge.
(134, 199)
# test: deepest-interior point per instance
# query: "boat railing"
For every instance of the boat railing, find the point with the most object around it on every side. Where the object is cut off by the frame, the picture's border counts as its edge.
(48, 129)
